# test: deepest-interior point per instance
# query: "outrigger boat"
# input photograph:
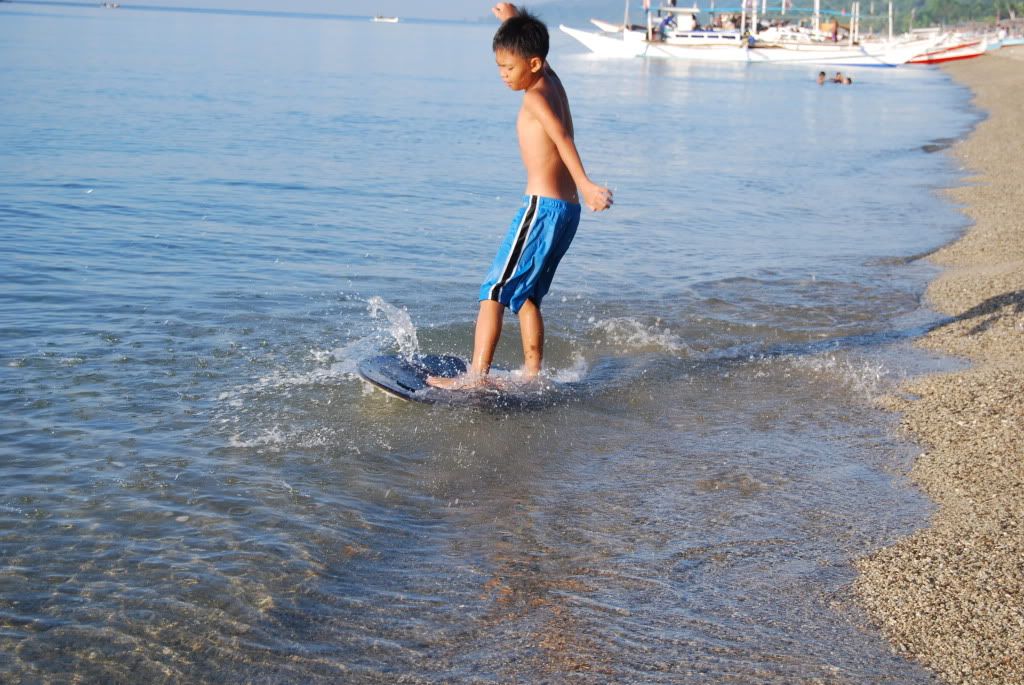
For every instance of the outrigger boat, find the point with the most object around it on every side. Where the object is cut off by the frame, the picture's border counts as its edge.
(951, 49)
(674, 32)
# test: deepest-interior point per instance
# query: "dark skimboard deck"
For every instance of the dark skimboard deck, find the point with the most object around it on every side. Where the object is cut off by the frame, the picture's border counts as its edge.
(406, 379)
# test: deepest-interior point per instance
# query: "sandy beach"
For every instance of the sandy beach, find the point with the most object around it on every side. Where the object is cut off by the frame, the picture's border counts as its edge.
(952, 595)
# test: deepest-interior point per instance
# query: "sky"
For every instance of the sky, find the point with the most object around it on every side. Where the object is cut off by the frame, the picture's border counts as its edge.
(551, 11)
(426, 9)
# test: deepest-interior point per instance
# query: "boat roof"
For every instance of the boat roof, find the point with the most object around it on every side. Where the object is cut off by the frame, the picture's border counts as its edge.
(665, 9)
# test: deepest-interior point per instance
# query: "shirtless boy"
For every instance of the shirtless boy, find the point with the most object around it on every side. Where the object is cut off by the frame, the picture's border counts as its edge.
(546, 223)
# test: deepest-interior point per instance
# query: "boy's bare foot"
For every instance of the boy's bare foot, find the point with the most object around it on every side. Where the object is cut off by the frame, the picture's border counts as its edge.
(466, 381)
(476, 381)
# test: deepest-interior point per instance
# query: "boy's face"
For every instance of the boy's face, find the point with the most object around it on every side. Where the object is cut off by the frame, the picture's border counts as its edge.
(518, 72)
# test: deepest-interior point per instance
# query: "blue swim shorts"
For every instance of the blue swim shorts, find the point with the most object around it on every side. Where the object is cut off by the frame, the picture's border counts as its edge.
(526, 262)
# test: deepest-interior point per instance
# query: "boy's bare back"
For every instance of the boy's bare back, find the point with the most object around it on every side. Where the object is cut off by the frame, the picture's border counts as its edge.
(544, 125)
(553, 165)
(546, 173)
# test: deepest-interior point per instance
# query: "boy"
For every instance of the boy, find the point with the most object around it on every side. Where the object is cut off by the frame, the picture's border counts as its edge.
(555, 180)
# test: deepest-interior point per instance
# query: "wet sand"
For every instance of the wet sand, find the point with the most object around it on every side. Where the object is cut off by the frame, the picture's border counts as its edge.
(952, 595)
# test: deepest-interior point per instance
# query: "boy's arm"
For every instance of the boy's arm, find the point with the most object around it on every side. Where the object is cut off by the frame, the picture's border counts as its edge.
(594, 196)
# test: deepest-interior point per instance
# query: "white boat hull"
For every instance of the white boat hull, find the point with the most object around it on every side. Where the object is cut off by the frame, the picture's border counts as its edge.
(635, 44)
(950, 53)
(607, 26)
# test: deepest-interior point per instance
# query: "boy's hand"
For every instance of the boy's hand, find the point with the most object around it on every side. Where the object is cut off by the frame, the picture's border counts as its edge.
(597, 198)
(504, 10)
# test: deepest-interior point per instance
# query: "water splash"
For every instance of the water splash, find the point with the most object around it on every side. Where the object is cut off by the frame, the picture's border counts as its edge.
(570, 374)
(400, 325)
(865, 377)
(627, 333)
(857, 376)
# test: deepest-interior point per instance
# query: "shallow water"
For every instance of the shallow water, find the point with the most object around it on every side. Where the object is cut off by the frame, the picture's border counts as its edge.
(203, 237)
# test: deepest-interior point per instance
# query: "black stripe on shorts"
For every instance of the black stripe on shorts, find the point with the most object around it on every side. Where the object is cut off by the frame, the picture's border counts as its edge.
(517, 248)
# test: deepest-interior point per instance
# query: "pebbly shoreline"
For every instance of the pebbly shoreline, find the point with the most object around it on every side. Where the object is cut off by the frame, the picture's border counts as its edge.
(952, 596)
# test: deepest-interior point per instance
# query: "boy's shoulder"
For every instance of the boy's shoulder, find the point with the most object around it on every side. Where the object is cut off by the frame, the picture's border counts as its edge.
(539, 102)
(548, 89)
(547, 97)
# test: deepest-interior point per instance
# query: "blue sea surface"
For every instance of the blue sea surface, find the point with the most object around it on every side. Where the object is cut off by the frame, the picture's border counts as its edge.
(208, 219)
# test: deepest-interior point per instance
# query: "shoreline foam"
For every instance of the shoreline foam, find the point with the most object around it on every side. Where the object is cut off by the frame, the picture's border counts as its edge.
(952, 596)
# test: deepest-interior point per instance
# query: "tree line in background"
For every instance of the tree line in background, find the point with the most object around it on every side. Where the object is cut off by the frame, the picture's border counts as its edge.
(945, 12)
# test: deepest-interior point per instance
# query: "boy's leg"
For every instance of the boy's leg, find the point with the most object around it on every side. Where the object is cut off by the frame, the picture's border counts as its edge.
(485, 340)
(531, 325)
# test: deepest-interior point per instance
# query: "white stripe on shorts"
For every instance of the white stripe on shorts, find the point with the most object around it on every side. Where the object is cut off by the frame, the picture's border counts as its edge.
(516, 250)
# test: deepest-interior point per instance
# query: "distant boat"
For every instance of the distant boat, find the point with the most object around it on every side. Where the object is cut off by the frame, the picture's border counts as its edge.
(385, 20)
(609, 27)
(674, 32)
(952, 48)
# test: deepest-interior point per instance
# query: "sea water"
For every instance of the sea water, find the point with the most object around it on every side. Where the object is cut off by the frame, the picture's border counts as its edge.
(207, 219)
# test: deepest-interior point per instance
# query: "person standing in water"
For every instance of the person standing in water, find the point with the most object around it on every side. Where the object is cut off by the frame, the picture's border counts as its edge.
(546, 223)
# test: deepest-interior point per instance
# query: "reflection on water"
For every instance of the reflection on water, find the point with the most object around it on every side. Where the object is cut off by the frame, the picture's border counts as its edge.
(201, 245)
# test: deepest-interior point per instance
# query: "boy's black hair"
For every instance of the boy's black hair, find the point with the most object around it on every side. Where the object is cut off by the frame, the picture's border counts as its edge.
(524, 35)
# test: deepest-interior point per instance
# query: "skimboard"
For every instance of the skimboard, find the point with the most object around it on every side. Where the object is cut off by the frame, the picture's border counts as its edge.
(406, 378)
